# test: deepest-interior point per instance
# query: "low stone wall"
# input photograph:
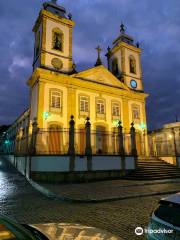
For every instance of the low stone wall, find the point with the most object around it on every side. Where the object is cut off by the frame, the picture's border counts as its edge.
(57, 168)
(57, 177)
(61, 163)
(50, 163)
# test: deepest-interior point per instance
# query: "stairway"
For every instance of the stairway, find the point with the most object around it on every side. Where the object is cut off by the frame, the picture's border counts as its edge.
(154, 169)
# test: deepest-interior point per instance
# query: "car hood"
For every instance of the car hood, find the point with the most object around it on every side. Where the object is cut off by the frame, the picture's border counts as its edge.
(55, 231)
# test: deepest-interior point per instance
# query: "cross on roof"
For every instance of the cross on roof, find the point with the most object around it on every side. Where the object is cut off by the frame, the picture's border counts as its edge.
(98, 62)
(122, 28)
(98, 50)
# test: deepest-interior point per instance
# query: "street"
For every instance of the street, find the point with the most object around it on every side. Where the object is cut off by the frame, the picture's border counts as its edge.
(21, 202)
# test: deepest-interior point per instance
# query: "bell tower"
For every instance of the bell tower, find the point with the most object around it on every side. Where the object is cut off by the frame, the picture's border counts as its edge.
(124, 60)
(53, 39)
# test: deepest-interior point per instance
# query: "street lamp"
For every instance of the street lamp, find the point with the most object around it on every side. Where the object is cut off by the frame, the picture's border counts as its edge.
(46, 115)
(170, 136)
(116, 122)
(7, 142)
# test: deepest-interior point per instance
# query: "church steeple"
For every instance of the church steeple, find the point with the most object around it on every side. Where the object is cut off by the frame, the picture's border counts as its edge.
(123, 37)
(53, 38)
(54, 8)
(124, 60)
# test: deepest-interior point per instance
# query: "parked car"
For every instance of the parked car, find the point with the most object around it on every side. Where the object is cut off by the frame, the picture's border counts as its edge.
(165, 220)
(10, 230)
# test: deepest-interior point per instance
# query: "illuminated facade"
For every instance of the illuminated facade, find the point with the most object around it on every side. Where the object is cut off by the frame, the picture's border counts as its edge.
(165, 142)
(105, 95)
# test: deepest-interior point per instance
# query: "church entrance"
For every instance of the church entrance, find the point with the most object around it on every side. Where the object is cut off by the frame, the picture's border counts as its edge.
(55, 139)
(101, 140)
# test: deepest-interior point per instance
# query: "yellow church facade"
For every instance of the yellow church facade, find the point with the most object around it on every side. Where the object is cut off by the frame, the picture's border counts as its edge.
(105, 95)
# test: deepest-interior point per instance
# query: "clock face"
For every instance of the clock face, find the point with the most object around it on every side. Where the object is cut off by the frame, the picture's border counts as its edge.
(57, 63)
(133, 84)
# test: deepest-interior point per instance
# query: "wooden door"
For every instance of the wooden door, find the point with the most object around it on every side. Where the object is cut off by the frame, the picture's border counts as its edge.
(55, 142)
(82, 142)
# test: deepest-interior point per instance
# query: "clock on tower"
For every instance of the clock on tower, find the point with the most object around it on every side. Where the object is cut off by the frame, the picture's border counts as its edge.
(53, 39)
(124, 60)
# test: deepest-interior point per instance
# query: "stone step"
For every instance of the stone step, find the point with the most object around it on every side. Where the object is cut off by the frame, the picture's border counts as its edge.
(152, 177)
(154, 168)
(157, 165)
(148, 162)
(160, 166)
(153, 174)
(157, 171)
(149, 159)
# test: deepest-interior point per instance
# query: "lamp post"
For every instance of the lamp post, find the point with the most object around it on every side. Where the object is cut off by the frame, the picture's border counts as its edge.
(143, 129)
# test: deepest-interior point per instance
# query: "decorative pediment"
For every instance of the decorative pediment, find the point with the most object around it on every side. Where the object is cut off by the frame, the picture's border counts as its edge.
(100, 74)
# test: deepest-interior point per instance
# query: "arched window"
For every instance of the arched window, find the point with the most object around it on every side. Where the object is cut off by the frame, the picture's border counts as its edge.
(57, 39)
(115, 69)
(132, 65)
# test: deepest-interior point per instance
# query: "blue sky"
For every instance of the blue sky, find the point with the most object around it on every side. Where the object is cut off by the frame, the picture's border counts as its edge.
(155, 24)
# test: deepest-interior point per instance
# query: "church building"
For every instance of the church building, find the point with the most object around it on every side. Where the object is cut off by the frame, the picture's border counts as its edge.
(106, 95)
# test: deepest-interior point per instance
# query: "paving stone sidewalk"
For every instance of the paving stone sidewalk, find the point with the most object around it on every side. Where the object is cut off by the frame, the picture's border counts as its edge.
(21, 202)
(110, 190)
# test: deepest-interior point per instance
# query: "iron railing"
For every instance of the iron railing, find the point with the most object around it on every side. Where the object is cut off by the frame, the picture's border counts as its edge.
(56, 142)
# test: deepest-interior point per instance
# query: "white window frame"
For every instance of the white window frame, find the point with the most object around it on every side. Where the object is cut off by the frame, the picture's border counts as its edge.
(116, 111)
(135, 116)
(100, 106)
(84, 104)
(56, 98)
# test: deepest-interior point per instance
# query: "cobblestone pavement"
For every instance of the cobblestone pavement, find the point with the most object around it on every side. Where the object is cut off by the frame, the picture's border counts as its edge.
(99, 191)
(21, 202)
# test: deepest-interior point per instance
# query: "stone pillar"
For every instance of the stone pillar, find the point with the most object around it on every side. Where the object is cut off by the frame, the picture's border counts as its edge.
(133, 142)
(71, 150)
(121, 145)
(88, 150)
(175, 147)
(154, 149)
(35, 129)
(120, 136)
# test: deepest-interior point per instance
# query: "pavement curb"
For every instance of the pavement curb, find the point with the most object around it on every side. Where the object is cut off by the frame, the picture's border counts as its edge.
(175, 180)
(54, 196)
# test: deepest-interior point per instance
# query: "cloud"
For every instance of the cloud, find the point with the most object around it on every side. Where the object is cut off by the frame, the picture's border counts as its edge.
(155, 24)
(18, 62)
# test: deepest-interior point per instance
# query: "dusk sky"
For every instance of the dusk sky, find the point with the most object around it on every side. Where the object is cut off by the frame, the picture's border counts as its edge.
(155, 24)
